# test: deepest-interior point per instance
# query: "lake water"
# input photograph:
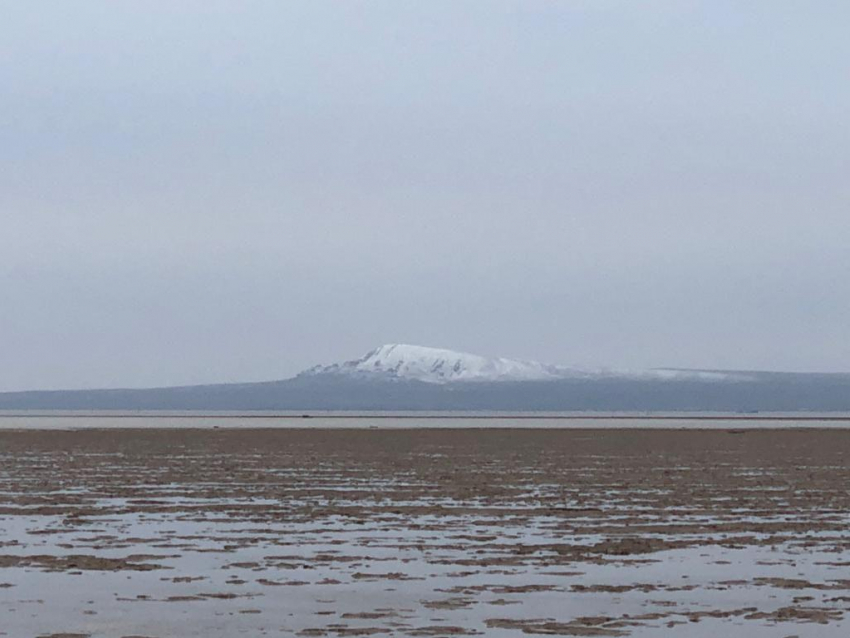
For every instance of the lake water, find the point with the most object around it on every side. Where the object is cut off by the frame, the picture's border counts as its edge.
(331, 420)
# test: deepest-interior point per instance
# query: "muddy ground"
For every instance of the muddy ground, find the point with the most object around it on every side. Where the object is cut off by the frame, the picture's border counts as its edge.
(496, 532)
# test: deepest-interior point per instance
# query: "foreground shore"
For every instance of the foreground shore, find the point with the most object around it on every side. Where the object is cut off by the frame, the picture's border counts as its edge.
(433, 532)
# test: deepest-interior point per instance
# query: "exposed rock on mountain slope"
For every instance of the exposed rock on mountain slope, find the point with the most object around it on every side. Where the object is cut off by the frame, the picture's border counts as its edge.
(437, 365)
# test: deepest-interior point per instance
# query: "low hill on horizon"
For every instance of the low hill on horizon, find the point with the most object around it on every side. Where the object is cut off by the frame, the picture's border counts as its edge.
(399, 377)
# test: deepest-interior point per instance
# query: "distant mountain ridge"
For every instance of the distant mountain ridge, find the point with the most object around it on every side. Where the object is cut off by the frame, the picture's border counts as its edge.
(398, 377)
(438, 365)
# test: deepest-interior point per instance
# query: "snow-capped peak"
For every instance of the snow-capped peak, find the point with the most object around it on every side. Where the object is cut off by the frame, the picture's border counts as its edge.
(436, 365)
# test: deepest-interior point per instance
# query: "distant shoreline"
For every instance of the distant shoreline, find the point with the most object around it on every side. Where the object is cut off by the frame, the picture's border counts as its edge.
(431, 416)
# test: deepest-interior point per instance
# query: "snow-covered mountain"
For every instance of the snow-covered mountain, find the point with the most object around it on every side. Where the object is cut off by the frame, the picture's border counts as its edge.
(437, 365)
(404, 378)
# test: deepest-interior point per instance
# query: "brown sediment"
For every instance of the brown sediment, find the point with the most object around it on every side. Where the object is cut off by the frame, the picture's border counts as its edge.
(443, 630)
(503, 516)
(79, 562)
(449, 603)
(803, 614)
(552, 628)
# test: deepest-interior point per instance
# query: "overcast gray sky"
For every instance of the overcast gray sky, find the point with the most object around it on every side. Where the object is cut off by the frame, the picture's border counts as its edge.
(204, 191)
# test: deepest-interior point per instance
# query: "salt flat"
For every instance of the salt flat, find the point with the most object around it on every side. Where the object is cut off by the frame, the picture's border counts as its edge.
(246, 531)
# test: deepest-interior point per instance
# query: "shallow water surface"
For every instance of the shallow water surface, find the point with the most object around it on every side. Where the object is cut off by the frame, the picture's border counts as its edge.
(437, 532)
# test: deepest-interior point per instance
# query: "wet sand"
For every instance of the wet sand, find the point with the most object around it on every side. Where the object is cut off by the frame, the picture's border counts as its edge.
(432, 532)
